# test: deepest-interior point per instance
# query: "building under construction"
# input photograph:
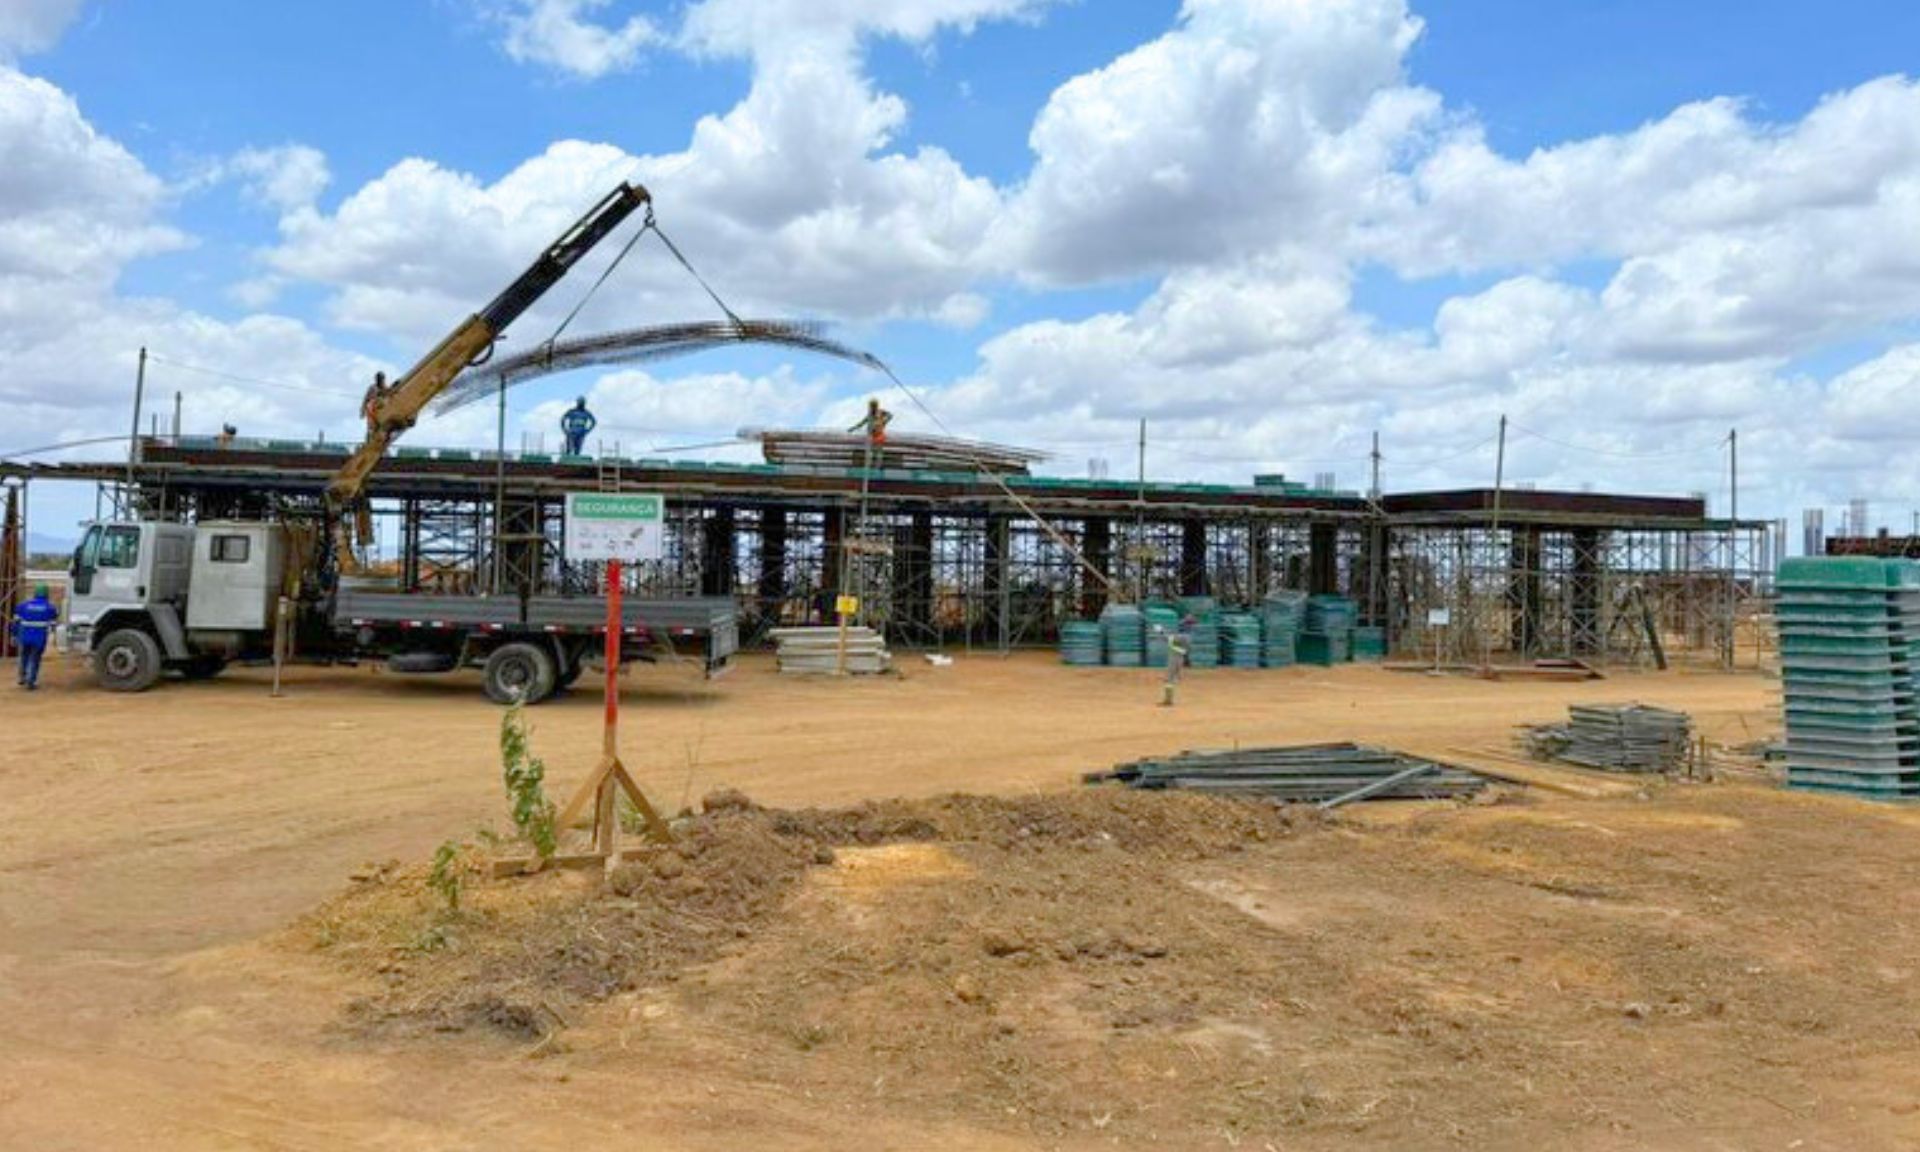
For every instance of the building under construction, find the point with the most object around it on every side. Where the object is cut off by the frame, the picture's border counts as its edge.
(942, 555)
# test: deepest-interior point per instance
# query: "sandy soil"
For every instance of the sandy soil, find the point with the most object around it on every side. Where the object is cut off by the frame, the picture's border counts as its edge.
(155, 842)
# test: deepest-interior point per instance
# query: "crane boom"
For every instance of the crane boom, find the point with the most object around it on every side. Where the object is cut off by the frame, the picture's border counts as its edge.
(396, 411)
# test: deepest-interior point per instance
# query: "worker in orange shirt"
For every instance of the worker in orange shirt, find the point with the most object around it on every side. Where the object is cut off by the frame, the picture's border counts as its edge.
(874, 424)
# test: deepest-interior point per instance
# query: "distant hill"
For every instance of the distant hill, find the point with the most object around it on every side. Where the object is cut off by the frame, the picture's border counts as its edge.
(41, 547)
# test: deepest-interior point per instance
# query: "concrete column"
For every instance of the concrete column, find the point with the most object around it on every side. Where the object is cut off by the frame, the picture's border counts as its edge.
(999, 586)
(717, 551)
(1323, 559)
(1193, 558)
(833, 561)
(1096, 544)
(1259, 559)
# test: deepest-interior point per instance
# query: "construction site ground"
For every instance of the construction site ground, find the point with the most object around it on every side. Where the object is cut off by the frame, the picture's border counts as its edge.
(188, 962)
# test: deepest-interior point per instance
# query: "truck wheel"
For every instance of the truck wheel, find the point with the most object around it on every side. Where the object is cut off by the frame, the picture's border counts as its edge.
(519, 674)
(127, 661)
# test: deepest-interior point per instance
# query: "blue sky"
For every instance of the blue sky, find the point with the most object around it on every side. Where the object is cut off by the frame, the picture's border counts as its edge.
(1268, 226)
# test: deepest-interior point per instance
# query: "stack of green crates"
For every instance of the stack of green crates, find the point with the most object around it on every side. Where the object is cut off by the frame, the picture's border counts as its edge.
(1327, 637)
(1849, 651)
(1370, 644)
(1280, 616)
(1123, 632)
(1239, 640)
(1081, 643)
(1203, 636)
(1162, 621)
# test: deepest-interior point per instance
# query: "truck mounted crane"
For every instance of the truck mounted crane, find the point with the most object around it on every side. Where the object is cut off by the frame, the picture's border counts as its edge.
(470, 343)
(152, 596)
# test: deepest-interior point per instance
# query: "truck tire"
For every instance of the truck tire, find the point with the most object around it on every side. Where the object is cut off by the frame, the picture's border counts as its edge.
(519, 674)
(127, 661)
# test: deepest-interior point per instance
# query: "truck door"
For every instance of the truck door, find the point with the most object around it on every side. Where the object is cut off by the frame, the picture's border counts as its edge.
(106, 570)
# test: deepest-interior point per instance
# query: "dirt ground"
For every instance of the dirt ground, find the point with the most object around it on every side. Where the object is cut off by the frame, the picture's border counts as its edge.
(1702, 967)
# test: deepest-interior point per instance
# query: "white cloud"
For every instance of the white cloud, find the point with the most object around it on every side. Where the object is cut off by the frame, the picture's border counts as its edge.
(1248, 126)
(767, 28)
(1874, 402)
(28, 26)
(791, 202)
(76, 209)
(640, 411)
(562, 34)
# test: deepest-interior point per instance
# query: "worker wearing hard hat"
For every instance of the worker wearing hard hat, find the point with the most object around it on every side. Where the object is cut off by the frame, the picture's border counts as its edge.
(874, 424)
(33, 623)
(576, 426)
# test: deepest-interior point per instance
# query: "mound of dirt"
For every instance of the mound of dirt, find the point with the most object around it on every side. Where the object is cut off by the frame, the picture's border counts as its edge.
(521, 957)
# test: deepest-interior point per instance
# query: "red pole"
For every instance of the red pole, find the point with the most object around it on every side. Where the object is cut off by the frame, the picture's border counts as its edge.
(614, 634)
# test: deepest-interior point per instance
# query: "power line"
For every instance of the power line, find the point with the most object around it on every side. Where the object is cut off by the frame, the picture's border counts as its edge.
(1687, 452)
(44, 448)
(255, 380)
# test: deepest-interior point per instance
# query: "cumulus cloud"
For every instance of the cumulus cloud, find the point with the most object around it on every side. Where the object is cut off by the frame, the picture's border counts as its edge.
(766, 28)
(28, 26)
(76, 209)
(792, 201)
(1247, 125)
(563, 34)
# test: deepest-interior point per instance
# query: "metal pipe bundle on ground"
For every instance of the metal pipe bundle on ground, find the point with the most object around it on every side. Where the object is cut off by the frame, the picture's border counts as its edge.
(1310, 773)
(816, 651)
(1626, 738)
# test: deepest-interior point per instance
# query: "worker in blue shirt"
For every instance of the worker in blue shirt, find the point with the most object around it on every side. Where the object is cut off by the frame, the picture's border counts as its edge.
(33, 623)
(576, 424)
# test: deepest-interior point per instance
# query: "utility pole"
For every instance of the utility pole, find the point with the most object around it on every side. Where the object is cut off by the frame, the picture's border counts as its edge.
(1140, 523)
(1733, 537)
(499, 491)
(1499, 481)
(176, 417)
(1377, 538)
(1375, 491)
(139, 400)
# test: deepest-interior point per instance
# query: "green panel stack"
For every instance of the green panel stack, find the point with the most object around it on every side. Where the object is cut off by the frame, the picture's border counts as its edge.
(1370, 644)
(1203, 637)
(1239, 640)
(1327, 637)
(1280, 617)
(1849, 639)
(1123, 631)
(1081, 643)
(1162, 622)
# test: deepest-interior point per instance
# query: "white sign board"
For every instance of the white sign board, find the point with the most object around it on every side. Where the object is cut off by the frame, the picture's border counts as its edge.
(625, 526)
(1439, 617)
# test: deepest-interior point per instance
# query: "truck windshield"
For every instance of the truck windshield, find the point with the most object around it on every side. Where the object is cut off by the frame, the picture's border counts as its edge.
(120, 548)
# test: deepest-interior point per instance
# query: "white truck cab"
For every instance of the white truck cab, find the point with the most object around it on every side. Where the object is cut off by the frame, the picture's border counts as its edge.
(152, 596)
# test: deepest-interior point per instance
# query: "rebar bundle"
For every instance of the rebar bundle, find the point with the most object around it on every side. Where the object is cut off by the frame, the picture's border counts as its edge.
(640, 345)
(902, 452)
